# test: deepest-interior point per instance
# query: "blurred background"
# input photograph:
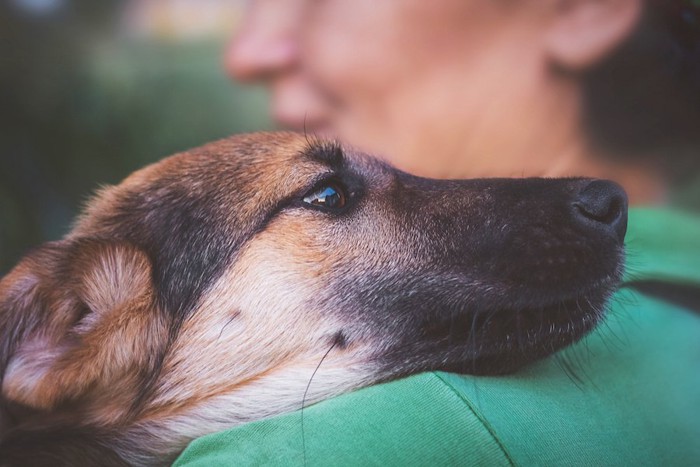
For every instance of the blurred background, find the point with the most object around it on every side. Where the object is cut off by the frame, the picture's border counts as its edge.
(91, 90)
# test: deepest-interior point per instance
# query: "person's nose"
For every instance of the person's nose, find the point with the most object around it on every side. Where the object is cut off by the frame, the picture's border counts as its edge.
(250, 59)
(261, 50)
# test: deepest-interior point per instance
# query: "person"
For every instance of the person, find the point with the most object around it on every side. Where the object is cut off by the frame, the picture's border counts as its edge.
(483, 88)
(473, 88)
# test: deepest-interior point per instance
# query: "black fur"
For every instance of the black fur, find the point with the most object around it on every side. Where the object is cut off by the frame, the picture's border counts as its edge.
(511, 271)
(59, 447)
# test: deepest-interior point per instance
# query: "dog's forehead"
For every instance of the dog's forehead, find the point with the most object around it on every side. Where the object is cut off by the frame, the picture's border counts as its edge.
(243, 175)
(262, 165)
(297, 154)
(261, 158)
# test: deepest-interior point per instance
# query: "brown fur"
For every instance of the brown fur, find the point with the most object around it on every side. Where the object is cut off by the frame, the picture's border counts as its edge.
(201, 293)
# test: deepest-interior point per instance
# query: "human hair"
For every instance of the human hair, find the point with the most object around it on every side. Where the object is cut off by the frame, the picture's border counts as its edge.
(643, 101)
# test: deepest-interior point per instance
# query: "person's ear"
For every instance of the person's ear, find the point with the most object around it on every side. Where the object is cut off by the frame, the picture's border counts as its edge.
(583, 32)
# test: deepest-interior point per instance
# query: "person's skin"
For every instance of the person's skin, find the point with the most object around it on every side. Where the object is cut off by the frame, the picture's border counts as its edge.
(447, 89)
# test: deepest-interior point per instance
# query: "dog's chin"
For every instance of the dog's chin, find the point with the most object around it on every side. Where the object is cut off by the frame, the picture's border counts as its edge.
(496, 341)
(506, 340)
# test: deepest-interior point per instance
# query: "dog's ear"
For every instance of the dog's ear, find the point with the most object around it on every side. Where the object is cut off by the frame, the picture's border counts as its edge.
(76, 316)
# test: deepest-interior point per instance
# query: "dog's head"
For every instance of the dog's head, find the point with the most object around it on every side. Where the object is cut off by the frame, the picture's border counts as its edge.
(204, 290)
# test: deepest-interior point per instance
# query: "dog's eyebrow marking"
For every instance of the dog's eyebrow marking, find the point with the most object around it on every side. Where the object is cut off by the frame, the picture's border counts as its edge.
(326, 152)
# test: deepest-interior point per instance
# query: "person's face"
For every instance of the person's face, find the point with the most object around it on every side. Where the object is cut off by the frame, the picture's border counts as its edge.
(402, 78)
(447, 88)
(267, 49)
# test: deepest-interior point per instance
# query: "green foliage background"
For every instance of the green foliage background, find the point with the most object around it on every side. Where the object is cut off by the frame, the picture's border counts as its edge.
(80, 106)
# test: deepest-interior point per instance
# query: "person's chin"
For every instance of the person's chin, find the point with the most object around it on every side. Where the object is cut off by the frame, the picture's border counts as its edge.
(303, 122)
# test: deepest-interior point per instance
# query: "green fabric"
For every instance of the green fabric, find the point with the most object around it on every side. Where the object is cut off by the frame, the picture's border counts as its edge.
(634, 398)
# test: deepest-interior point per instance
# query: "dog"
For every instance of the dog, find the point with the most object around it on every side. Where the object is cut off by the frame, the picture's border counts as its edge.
(203, 291)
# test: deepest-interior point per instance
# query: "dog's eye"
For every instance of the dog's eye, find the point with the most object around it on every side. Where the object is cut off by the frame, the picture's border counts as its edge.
(329, 195)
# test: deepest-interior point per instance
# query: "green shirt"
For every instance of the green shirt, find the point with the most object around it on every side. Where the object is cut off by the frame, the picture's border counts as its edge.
(633, 397)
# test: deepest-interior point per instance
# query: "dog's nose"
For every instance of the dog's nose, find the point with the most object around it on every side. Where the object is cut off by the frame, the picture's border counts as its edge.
(602, 204)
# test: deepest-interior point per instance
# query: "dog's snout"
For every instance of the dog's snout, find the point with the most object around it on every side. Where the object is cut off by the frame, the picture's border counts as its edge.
(602, 204)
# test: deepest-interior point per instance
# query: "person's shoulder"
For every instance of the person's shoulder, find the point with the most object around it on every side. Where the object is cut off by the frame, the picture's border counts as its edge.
(627, 394)
(419, 420)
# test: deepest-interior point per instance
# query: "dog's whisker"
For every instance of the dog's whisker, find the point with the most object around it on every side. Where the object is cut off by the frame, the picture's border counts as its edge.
(518, 331)
(472, 347)
(306, 135)
(306, 391)
(568, 369)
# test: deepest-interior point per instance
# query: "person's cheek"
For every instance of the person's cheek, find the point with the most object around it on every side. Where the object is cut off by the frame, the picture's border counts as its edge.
(342, 45)
(354, 56)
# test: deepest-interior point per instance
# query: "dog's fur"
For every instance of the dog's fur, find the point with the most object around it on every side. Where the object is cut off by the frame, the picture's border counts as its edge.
(203, 291)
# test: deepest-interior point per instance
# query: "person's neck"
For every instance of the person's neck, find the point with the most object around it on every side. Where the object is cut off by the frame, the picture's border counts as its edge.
(542, 146)
(643, 184)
